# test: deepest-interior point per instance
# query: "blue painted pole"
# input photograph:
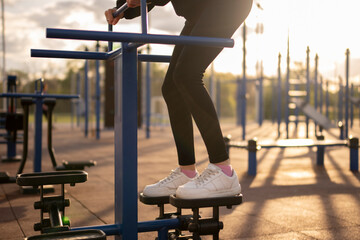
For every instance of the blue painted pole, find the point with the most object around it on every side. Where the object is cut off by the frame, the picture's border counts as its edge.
(307, 87)
(78, 111)
(239, 100)
(148, 97)
(38, 126)
(287, 89)
(97, 94)
(261, 95)
(86, 98)
(243, 107)
(321, 100)
(252, 162)
(316, 88)
(351, 107)
(243, 86)
(354, 154)
(273, 100)
(347, 94)
(279, 96)
(327, 100)
(137, 37)
(340, 104)
(126, 209)
(144, 16)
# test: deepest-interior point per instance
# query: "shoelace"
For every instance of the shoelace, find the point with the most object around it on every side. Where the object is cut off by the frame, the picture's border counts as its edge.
(172, 175)
(205, 176)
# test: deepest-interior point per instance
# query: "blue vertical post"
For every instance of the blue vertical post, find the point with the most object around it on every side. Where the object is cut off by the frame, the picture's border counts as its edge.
(321, 98)
(273, 101)
(126, 209)
(307, 87)
(297, 87)
(316, 88)
(252, 164)
(78, 111)
(287, 88)
(243, 106)
(239, 99)
(340, 104)
(351, 107)
(321, 91)
(38, 126)
(354, 154)
(86, 97)
(243, 86)
(144, 17)
(148, 97)
(327, 100)
(97, 94)
(320, 153)
(11, 108)
(347, 94)
(279, 96)
(261, 95)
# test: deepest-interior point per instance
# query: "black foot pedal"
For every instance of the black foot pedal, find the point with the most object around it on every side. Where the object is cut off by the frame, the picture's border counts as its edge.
(206, 202)
(16, 158)
(5, 178)
(76, 165)
(72, 235)
(205, 226)
(160, 202)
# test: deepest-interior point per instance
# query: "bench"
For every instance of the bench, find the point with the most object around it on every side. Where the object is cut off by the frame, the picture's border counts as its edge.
(254, 145)
(193, 223)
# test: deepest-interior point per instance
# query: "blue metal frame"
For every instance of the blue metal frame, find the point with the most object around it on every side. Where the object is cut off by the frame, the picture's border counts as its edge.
(97, 94)
(126, 222)
(86, 98)
(38, 97)
(307, 87)
(347, 53)
(279, 96)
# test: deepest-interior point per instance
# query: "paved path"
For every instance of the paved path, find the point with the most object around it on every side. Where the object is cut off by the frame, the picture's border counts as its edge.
(290, 198)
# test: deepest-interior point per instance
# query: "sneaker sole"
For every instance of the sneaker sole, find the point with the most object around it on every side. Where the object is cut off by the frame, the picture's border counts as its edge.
(223, 193)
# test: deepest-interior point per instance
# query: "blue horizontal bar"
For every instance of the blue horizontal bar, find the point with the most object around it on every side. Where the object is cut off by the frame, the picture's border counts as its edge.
(93, 55)
(137, 37)
(68, 54)
(147, 226)
(34, 95)
(154, 58)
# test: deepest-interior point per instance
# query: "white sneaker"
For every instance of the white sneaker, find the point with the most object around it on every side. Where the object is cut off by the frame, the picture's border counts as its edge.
(213, 182)
(168, 185)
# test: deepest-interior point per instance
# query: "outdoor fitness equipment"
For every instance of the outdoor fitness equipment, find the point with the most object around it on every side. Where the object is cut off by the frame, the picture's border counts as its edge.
(28, 99)
(56, 224)
(253, 146)
(125, 137)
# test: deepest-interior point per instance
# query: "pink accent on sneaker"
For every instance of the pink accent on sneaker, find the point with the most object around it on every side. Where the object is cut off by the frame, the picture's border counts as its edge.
(189, 173)
(227, 169)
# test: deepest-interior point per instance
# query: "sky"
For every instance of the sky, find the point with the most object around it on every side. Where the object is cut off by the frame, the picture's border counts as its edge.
(328, 27)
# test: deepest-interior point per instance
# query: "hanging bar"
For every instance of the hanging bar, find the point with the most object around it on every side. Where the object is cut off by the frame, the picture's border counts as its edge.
(136, 37)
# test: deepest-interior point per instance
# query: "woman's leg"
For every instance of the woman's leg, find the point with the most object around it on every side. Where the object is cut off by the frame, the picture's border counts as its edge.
(215, 20)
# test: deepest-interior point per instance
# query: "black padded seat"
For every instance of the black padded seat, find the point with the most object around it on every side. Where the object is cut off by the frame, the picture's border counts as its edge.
(153, 200)
(206, 202)
(50, 178)
(71, 235)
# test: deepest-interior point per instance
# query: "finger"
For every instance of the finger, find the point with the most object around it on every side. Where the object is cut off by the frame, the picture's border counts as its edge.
(115, 21)
(108, 15)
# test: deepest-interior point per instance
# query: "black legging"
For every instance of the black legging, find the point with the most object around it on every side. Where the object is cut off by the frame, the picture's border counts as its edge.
(183, 88)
